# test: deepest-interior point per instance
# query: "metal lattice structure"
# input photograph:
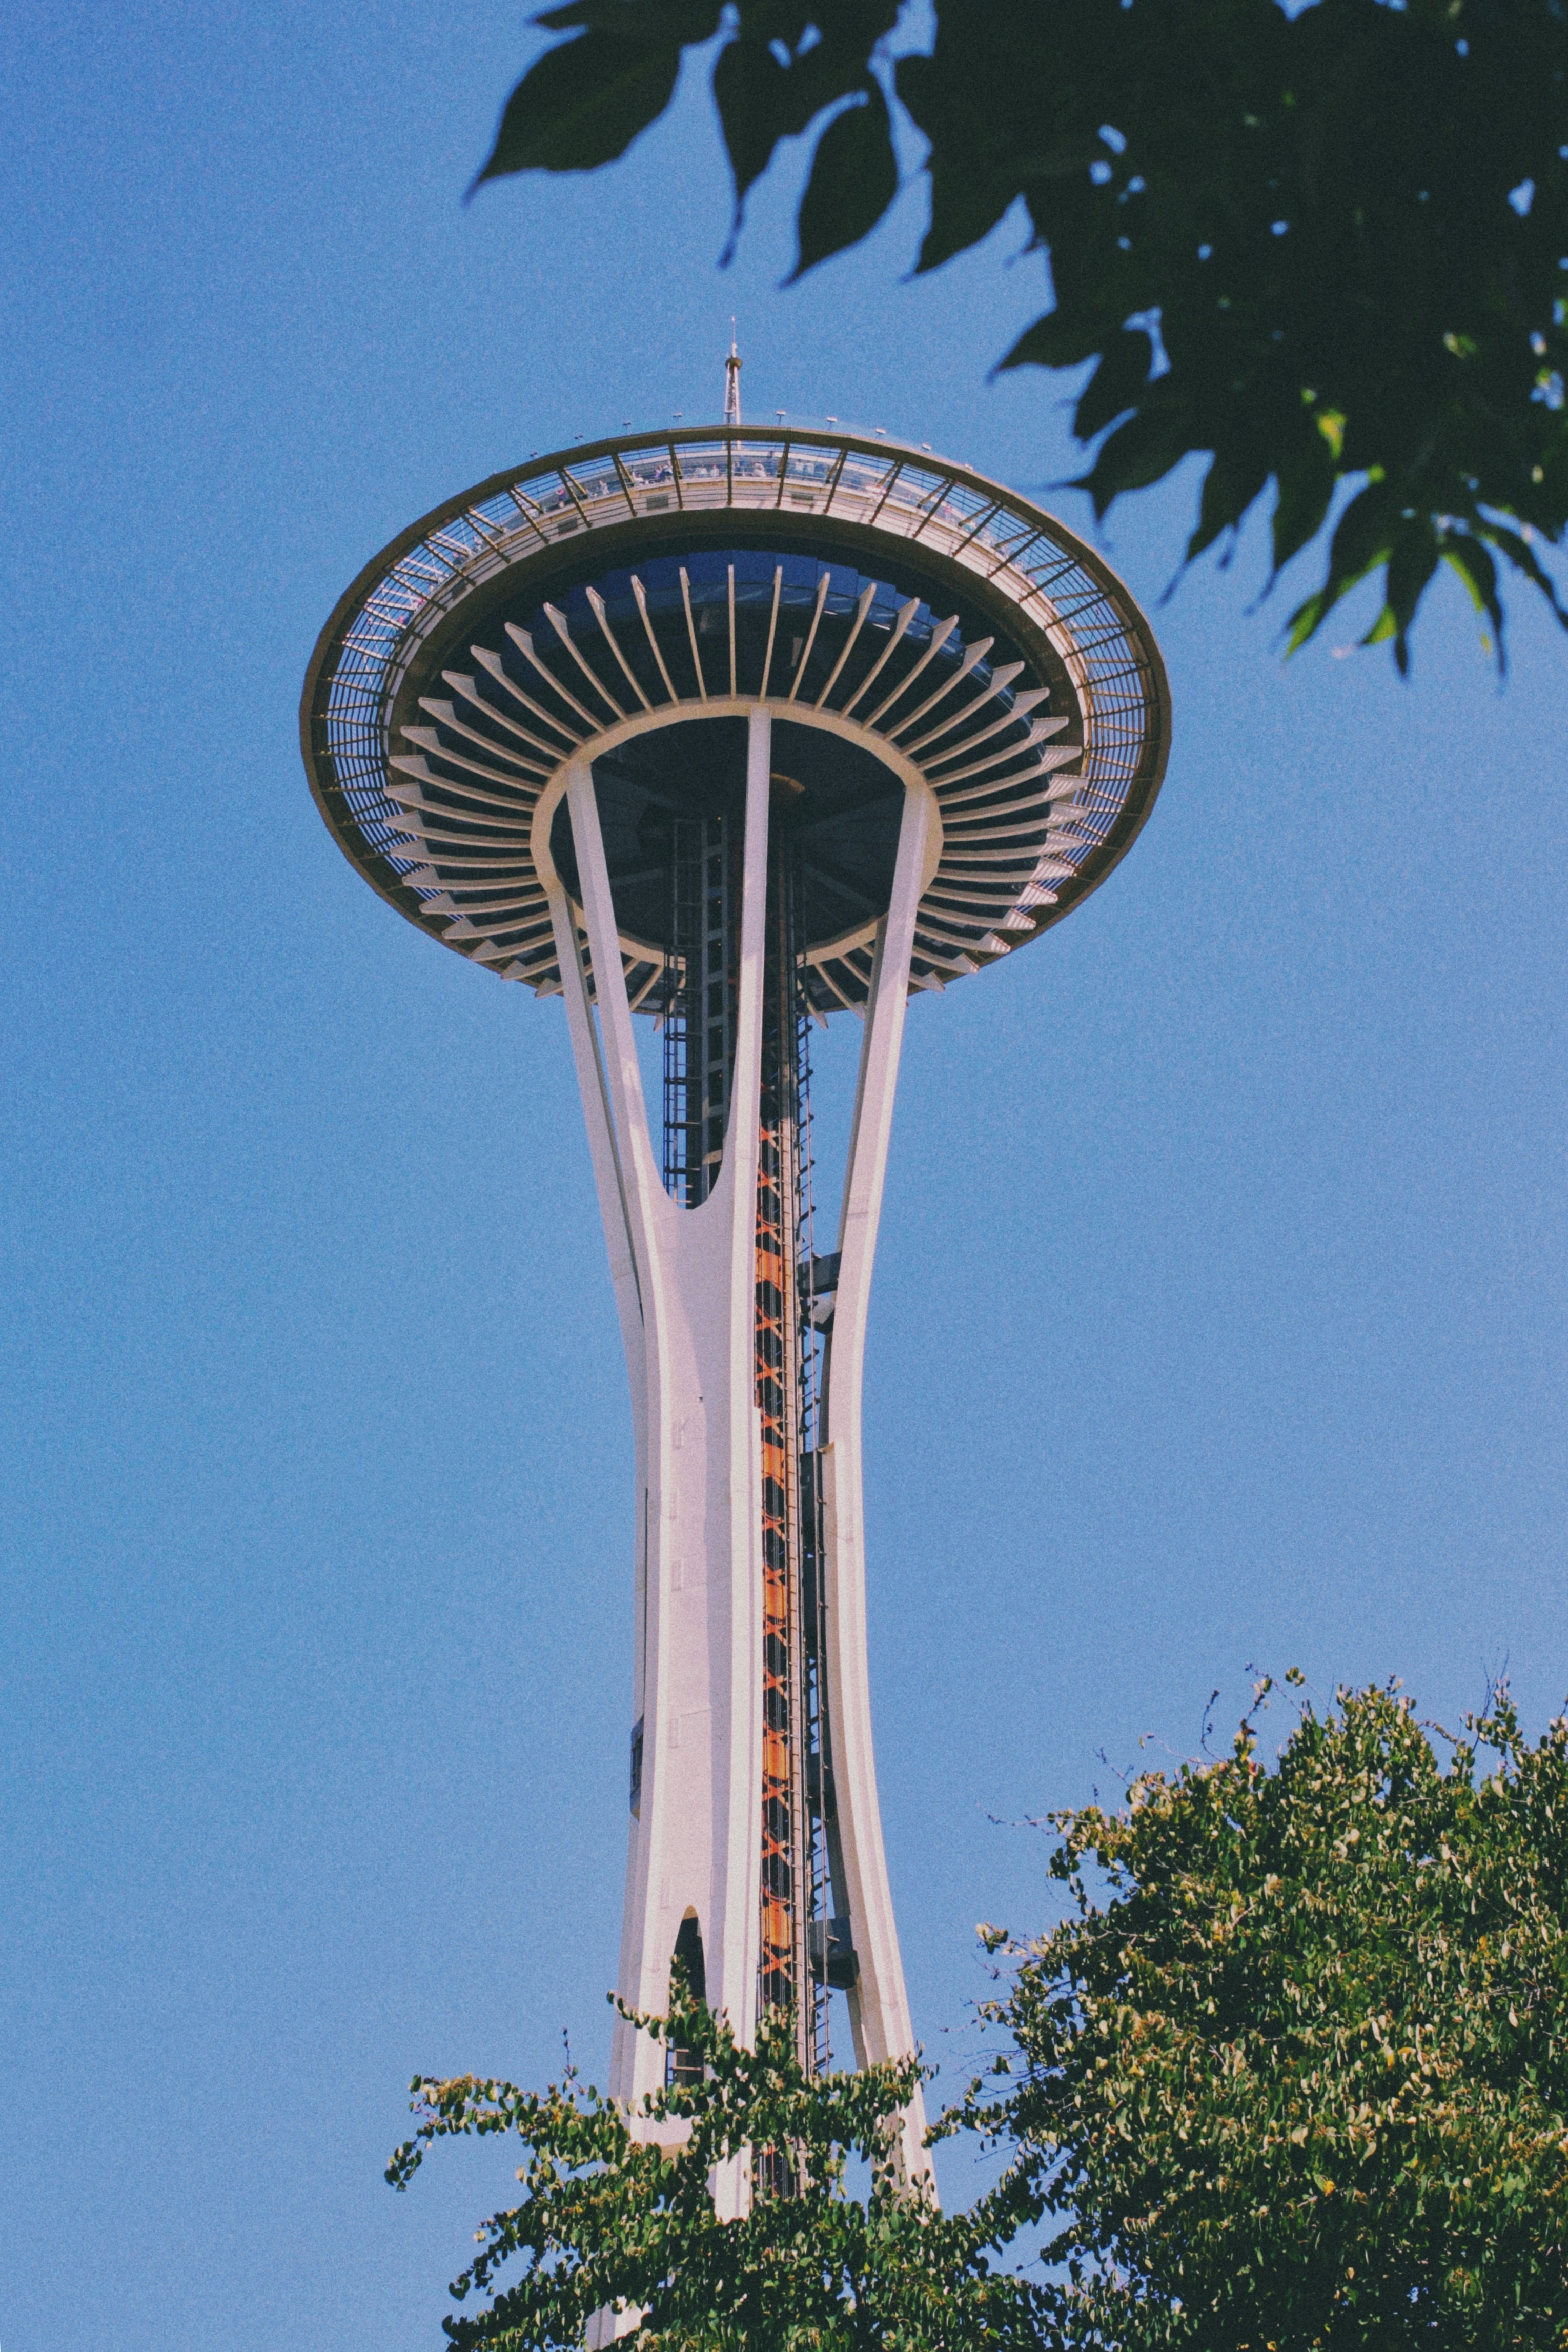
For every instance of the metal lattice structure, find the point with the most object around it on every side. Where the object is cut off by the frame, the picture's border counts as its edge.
(740, 730)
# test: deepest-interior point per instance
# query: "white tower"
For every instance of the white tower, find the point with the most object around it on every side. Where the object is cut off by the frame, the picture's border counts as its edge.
(742, 730)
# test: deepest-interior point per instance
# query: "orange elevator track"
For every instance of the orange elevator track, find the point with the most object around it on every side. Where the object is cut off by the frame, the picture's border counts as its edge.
(778, 1376)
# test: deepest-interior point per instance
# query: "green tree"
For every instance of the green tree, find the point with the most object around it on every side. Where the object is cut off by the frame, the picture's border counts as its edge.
(1325, 247)
(1301, 2083)
(1290, 2075)
(611, 2220)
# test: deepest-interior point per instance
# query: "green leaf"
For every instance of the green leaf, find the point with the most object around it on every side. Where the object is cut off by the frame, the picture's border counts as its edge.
(1054, 341)
(1236, 476)
(1472, 562)
(1306, 476)
(1139, 452)
(1116, 384)
(583, 104)
(608, 2220)
(854, 178)
(964, 208)
(1364, 538)
(1519, 551)
(770, 81)
(968, 199)
(1267, 2090)
(1411, 564)
(760, 103)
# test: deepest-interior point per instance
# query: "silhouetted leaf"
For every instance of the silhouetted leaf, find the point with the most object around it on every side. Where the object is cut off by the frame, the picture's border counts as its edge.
(1364, 538)
(1148, 444)
(1518, 551)
(854, 178)
(761, 102)
(1475, 567)
(583, 104)
(1411, 564)
(758, 100)
(1306, 476)
(968, 199)
(1116, 383)
(1236, 476)
(1053, 342)
(964, 209)
(772, 80)
(649, 23)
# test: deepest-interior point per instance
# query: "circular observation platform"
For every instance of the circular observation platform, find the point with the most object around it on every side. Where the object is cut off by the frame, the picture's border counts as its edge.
(906, 624)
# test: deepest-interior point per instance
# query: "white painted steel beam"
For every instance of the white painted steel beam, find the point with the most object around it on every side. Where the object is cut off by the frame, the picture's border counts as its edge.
(695, 1844)
(879, 2007)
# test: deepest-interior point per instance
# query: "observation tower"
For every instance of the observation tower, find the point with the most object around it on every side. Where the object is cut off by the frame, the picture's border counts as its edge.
(739, 732)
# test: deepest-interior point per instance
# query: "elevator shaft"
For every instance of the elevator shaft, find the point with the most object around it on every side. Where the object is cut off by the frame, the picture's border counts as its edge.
(786, 1370)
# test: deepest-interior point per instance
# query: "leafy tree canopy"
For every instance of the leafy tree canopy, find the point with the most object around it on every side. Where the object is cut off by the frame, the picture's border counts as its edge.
(612, 2222)
(1327, 247)
(1290, 2075)
(1300, 2085)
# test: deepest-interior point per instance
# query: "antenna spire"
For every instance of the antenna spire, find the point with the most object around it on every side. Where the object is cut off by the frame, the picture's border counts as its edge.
(732, 381)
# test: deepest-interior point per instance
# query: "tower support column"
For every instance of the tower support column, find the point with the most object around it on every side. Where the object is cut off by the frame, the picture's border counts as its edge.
(694, 1839)
(879, 2004)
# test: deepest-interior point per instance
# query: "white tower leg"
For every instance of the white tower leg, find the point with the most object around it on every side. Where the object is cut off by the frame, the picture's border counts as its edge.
(879, 2006)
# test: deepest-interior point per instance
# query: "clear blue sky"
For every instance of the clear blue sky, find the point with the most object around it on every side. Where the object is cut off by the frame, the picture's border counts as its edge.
(1220, 1302)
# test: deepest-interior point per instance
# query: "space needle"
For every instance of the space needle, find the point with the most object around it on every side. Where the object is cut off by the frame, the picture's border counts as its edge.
(738, 731)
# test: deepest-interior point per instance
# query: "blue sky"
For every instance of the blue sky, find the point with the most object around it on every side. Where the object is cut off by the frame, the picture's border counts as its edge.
(1220, 1302)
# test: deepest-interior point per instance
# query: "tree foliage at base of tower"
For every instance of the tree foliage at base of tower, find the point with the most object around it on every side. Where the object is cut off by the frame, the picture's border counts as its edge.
(1291, 2075)
(1327, 248)
(615, 2220)
(1301, 2083)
